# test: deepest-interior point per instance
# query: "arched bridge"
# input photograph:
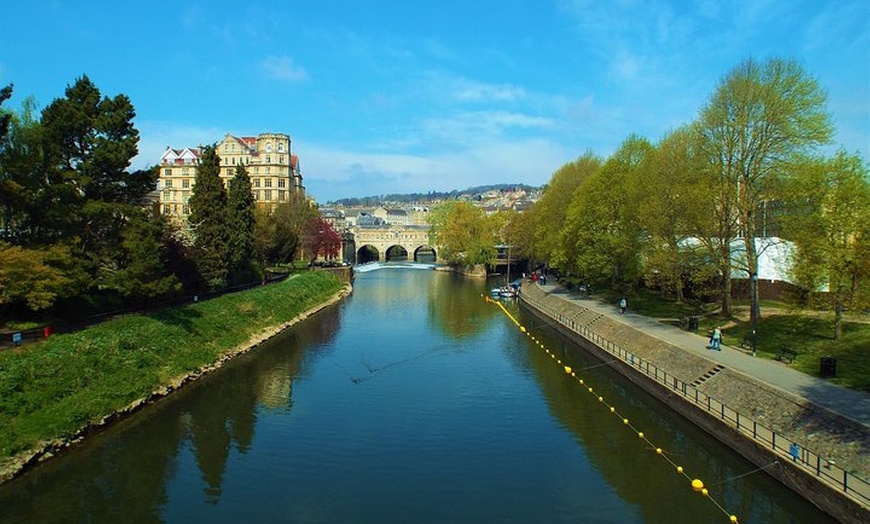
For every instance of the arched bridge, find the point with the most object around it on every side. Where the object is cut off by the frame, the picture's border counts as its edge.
(389, 243)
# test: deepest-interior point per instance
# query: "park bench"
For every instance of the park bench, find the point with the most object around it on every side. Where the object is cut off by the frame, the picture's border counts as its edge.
(786, 355)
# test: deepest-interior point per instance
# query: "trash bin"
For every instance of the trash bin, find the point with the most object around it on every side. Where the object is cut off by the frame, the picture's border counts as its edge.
(693, 323)
(827, 367)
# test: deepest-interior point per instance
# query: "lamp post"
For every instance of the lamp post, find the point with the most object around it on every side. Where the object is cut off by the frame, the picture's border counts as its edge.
(753, 293)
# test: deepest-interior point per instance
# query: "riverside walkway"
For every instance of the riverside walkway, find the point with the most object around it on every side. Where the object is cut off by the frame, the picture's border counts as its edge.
(852, 404)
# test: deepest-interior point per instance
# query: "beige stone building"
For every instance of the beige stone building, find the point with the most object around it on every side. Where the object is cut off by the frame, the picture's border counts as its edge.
(273, 169)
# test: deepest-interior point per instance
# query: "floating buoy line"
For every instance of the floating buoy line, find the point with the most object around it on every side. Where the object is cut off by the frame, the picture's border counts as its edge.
(696, 484)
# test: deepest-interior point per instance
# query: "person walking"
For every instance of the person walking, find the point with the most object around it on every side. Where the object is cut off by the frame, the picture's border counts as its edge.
(716, 339)
(623, 305)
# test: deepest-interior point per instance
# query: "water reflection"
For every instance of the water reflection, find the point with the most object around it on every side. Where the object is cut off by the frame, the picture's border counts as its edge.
(412, 401)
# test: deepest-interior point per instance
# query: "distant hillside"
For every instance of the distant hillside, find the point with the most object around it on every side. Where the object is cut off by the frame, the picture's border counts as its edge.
(415, 198)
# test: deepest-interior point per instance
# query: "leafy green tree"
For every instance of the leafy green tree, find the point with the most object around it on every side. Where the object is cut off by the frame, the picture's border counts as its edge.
(279, 231)
(242, 222)
(35, 278)
(673, 197)
(760, 119)
(88, 142)
(208, 220)
(463, 233)
(21, 182)
(551, 210)
(144, 270)
(829, 223)
(5, 117)
(601, 236)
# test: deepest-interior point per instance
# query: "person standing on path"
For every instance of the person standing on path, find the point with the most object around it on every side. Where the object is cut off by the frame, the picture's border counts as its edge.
(716, 339)
(623, 305)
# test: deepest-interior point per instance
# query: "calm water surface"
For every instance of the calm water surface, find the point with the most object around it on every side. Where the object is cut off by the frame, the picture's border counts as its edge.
(414, 401)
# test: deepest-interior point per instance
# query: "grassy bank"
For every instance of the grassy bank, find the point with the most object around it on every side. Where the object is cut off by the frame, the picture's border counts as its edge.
(52, 389)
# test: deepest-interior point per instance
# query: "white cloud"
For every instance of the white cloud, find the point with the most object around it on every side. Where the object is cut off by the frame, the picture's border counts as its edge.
(283, 68)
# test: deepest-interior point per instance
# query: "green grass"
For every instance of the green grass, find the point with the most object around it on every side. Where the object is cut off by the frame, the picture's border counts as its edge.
(51, 389)
(810, 333)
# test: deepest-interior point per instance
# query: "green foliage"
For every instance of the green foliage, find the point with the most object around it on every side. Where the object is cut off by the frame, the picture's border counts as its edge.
(51, 389)
(279, 232)
(208, 220)
(829, 224)
(144, 262)
(241, 225)
(601, 235)
(464, 233)
(35, 277)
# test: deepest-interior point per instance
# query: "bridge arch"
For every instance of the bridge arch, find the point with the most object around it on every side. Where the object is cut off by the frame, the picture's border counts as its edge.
(367, 253)
(425, 253)
(396, 253)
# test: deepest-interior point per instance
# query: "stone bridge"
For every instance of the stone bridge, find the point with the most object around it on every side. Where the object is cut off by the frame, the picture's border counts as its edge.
(388, 243)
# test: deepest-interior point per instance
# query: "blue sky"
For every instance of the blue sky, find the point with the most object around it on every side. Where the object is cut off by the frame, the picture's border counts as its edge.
(399, 96)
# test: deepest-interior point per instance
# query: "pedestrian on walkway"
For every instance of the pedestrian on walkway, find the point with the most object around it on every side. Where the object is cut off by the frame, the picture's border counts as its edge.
(716, 339)
(623, 305)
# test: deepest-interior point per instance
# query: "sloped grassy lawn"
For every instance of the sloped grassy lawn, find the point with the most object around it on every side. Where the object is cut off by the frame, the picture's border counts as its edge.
(53, 388)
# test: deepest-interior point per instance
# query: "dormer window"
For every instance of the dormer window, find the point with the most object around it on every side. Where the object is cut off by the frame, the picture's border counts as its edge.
(269, 147)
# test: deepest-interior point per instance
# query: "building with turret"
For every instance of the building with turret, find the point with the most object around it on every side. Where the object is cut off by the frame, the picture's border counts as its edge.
(274, 171)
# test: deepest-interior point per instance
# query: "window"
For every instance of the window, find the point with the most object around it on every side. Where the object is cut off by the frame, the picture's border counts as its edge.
(267, 194)
(256, 182)
(282, 196)
(268, 159)
(184, 170)
(229, 171)
(281, 159)
(165, 209)
(256, 195)
(167, 171)
(282, 182)
(268, 182)
(185, 184)
(268, 148)
(281, 147)
(267, 170)
(167, 183)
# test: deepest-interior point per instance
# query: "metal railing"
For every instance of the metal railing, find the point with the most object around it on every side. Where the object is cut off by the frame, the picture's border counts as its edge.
(807, 460)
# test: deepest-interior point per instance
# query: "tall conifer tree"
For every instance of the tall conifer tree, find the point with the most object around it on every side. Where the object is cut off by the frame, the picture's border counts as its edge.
(208, 220)
(241, 225)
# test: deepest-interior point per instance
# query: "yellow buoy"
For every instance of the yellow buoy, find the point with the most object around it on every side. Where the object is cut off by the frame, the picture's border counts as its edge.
(733, 518)
(697, 485)
(612, 409)
(523, 329)
(581, 381)
(640, 434)
(659, 451)
(679, 469)
(704, 492)
(625, 421)
(600, 399)
(590, 390)
(568, 369)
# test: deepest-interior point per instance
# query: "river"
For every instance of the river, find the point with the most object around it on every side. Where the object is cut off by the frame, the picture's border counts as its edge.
(413, 401)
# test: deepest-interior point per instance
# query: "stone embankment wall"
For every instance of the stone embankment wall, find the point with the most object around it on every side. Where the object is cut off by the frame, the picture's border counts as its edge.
(837, 439)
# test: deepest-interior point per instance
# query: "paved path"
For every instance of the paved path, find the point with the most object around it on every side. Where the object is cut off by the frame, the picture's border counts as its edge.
(847, 402)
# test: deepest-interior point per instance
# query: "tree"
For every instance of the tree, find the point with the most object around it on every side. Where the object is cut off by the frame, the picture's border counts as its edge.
(208, 220)
(144, 261)
(320, 238)
(673, 198)
(21, 180)
(463, 233)
(760, 119)
(550, 211)
(279, 232)
(35, 278)
(829, 223)
(241, 225)
(88, 141)
(601, 236)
